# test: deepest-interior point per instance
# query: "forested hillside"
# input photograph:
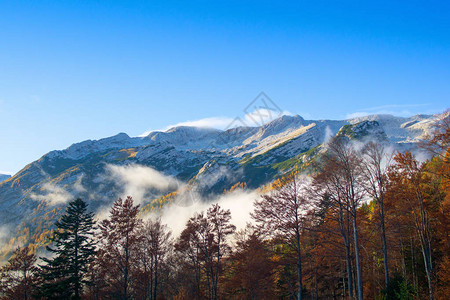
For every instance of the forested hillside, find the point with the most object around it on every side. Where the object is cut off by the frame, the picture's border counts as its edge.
(367, 222)
(170, 166)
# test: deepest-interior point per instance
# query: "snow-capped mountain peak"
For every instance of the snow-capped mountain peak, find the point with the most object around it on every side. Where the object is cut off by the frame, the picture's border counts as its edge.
(254, 155)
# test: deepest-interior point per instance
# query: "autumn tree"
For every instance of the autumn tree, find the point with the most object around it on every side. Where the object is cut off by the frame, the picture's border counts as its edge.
(18, 276)
(324, 251)
(281, 213)
(205, 242)
(410, 180)
(328, 183)
(191, 248)
(118, 240)
(219, 220)
(251, 270)
(438, 144)
(64, 274)
(154, 245)
(340, 176)
(375, 164)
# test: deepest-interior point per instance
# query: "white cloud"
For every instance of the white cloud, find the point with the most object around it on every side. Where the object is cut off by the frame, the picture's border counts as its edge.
(103, 212)
(395, 106)
(255, 118)
(53, 194)
(240, 204)
(214, 122)
(6, 172)
(5, 232)
(328, 134)
(357, 114)
(137, 180)
(78, 185)
(397, 113)
(399, 110)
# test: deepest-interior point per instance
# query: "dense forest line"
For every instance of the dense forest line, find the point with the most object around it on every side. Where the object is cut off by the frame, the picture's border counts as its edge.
(368, 224)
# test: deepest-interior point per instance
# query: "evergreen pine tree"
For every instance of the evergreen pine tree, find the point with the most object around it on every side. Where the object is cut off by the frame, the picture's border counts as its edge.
(63, 275)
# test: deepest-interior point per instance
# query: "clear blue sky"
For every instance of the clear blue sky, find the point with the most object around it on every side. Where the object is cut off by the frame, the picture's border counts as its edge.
(77, 70)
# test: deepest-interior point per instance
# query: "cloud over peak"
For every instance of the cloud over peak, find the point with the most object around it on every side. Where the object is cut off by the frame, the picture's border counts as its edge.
(257, 117)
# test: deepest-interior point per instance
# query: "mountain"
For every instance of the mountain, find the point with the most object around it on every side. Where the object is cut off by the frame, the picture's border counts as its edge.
(149, 167)
(3, 177)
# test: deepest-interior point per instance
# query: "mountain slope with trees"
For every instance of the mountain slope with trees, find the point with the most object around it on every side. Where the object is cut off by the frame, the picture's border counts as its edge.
(367, 224)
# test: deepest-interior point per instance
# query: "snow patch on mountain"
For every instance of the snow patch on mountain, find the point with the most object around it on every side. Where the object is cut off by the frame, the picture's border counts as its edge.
(80, 150)
(401, 129)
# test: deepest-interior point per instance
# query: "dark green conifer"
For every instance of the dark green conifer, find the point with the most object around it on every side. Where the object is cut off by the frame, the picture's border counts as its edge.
(63, 275)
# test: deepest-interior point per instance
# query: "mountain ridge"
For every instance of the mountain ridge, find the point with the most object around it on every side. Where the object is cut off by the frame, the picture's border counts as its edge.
(210, 159)
(123, 140)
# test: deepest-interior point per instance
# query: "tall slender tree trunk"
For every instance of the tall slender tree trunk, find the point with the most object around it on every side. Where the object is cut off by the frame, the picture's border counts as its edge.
(357, 258)
(209, 272)
(413, 264)
(376, 177)
(216, 279)
(197, 272)
(125, 275)
(402, 251)
(299, 267)
(384, 243)
(422, 227)
(297, 240)
(349, 271)
(343, 286)
(426, 250)
(156, 277)
(345, 229)
(150, 293)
